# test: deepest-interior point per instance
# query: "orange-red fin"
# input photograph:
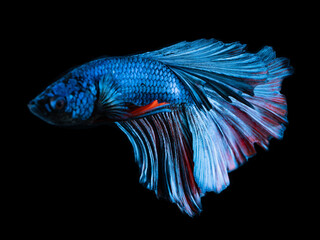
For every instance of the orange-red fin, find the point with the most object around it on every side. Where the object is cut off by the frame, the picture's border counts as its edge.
(155, 105)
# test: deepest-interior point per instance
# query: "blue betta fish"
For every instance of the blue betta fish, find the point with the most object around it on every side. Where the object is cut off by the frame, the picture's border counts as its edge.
(192, 111)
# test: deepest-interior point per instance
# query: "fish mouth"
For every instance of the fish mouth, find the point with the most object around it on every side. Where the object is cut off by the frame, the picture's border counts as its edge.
(34, 108)
(38, 111)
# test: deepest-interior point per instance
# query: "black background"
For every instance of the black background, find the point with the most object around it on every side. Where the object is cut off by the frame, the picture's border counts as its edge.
(86, 180)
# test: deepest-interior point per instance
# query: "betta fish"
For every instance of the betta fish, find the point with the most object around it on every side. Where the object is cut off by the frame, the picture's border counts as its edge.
(192, 111)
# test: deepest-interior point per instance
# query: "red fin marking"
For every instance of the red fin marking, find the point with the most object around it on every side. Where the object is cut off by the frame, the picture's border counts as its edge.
(147, 108)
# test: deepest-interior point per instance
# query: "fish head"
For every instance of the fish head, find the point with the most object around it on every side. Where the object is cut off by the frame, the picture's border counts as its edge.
(67, 102)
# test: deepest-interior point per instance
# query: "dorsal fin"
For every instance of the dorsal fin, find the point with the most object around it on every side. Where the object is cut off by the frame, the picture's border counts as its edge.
(211, 68)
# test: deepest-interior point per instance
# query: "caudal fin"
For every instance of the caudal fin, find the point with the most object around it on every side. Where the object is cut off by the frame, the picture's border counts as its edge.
(184, 153)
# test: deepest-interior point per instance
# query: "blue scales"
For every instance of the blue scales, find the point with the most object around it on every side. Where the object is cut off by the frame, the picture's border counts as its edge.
(139, 80)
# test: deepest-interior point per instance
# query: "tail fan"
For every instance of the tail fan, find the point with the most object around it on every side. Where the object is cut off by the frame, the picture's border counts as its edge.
(183, 154)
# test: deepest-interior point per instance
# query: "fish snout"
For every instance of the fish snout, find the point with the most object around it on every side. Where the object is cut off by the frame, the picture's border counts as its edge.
(37, 109)
(32, 105)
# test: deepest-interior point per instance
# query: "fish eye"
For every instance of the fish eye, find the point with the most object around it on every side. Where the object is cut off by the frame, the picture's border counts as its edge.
(57, 103)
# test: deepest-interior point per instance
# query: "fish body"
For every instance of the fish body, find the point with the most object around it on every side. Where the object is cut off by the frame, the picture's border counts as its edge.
(192, 111)
(137, 82)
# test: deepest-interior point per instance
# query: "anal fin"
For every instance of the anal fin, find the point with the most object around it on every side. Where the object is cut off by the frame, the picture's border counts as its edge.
(162, 146)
